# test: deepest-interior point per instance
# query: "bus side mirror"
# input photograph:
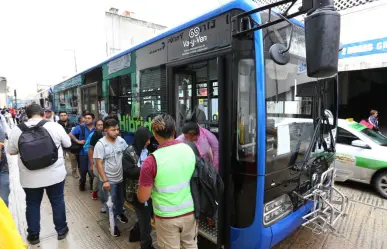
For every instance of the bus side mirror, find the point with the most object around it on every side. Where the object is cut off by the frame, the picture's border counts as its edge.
(322, 39)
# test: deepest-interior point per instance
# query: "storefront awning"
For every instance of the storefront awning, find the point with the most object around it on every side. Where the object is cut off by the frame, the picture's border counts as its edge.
(73, 82)
(363, 55)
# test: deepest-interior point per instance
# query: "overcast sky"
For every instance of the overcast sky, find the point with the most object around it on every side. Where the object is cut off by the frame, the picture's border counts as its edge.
(37, 37)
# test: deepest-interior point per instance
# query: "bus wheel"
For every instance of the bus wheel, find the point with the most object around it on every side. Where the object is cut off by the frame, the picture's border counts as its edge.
(380, 183)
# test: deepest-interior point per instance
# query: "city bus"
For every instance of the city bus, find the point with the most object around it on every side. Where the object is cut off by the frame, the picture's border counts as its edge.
(248, 69)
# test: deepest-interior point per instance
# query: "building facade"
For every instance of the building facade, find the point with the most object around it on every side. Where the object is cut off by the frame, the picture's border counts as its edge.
(3, 92)
(124, 31)
(363, 62)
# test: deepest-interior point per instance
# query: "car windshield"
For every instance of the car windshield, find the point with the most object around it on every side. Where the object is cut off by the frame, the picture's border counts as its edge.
(375, 136)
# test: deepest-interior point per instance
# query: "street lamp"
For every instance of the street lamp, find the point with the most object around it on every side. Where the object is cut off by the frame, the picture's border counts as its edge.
(75, 58)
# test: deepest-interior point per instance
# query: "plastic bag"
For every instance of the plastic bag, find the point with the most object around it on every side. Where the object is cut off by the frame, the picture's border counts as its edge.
(9, 235)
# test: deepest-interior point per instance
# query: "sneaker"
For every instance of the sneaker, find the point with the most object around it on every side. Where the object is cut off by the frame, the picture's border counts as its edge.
(64, 234)
(103, 210)
(94, 195)
(75, 174)
(33, 239)
(117, 232)
(122, 218)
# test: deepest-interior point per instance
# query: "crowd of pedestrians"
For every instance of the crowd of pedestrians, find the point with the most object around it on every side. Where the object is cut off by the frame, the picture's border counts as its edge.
(139, 173)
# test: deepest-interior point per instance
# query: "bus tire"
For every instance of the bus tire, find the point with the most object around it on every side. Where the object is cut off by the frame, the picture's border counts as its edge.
(380, 183)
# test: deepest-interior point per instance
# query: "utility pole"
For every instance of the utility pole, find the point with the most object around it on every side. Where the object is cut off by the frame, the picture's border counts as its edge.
(75, 62)
(14, 93)
(75, 59)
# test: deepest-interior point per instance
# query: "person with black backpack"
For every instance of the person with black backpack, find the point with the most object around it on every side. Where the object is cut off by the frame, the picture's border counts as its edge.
(40, 144)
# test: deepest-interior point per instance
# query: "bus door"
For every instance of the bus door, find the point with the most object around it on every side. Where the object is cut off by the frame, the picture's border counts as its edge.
(184, 80)
(197, 90)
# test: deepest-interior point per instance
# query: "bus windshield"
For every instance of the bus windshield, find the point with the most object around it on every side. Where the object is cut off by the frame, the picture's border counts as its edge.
(291, 98)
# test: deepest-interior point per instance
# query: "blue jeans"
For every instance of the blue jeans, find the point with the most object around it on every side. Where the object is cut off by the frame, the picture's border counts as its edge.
(101, 194)
(85, 169)
(34, 198)
(117, 194)
(4, 186)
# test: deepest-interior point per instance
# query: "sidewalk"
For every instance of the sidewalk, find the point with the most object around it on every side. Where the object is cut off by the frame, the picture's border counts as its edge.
(88, 227)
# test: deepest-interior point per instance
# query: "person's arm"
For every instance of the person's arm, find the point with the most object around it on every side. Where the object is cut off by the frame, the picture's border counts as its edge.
(90, 154)
(66, 141)
(2, 139)
(93, 141)
(147, 176)
(12, 147)
(99, 155)
(76, 132)
(5, 125)
(101, 172)
(214, 144)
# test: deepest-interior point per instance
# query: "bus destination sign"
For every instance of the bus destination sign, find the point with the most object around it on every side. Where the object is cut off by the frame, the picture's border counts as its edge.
(206, 36)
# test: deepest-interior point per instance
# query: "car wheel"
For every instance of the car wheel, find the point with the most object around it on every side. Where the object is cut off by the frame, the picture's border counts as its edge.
(380, 183)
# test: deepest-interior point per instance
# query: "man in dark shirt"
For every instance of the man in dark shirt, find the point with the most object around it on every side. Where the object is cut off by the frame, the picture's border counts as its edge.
(79, 135)
(66, 124)
(4, 173)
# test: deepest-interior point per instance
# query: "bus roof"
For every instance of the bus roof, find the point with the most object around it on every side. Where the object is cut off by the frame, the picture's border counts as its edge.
(228, 5)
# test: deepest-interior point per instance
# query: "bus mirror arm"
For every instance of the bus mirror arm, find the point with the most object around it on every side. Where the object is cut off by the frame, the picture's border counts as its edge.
(322, 33)
(278, 52)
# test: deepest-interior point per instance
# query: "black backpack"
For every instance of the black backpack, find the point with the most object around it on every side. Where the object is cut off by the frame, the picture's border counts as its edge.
(206, 187)
(36, 148)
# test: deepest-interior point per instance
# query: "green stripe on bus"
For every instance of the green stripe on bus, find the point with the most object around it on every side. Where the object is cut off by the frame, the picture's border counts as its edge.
(370, 163)
(357, 126)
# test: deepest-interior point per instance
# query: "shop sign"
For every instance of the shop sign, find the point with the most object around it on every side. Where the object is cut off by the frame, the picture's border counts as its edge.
(370, 47)
(119, 63)
(73, 82)
(301, 68)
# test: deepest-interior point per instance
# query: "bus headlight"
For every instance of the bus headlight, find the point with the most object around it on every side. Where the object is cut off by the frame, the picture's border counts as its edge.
(277, 209)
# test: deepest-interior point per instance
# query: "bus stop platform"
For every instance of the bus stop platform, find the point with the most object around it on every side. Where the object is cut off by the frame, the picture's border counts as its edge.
(364, 227)
(88, 227)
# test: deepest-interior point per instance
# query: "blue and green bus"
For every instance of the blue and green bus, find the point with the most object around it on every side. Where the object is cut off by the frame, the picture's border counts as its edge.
(263, 84)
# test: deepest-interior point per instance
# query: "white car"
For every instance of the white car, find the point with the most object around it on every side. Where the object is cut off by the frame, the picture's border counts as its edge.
(361, 155)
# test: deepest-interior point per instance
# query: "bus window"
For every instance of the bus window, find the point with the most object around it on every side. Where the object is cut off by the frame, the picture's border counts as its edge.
(246, 111)
(214, 102)
(125, 95)
(202, 101)
(113, 93)
(153, 92)
(197, 91)
(184, 91)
